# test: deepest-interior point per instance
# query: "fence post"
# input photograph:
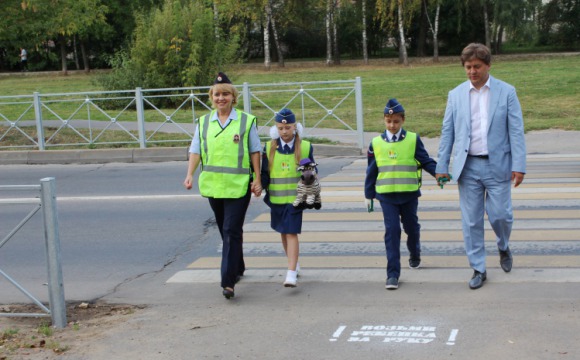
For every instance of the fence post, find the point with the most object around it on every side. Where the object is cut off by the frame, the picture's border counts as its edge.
(247, 97)
(52, 241)
(38, 116)
(359, 112)
(140, 118)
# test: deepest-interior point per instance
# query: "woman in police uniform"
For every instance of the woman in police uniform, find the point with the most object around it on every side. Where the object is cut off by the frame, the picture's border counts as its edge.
(227, 145)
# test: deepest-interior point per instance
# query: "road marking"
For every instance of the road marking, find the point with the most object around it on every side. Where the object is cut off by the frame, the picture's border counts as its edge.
(337, 333)
(452, 336)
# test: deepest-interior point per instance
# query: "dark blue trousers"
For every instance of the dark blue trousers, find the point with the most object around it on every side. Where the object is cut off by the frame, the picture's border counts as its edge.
(393, 216)
(230, 215)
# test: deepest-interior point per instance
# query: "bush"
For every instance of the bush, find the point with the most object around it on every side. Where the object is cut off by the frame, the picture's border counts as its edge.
(174, 46)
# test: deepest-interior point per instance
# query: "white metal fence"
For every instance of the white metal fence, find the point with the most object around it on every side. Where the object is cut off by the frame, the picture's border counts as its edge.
(146, 116)
(47, 203)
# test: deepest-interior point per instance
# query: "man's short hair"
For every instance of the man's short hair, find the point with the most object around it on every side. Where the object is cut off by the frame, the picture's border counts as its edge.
(477, 51)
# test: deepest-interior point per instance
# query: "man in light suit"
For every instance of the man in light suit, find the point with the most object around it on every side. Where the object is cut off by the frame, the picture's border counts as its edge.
(483, 126)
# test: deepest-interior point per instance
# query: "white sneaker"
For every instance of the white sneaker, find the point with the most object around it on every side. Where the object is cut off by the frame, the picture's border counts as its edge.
(297, 269)
(290, 279)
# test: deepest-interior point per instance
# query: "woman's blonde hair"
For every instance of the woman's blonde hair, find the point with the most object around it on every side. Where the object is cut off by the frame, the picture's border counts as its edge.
(224, 88)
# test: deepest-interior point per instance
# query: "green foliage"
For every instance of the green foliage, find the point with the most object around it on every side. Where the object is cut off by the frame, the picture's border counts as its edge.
(174, 46)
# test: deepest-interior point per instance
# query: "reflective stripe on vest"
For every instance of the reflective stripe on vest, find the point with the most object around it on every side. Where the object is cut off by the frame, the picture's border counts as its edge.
(225, 157)
(398, 169)
(284, 176)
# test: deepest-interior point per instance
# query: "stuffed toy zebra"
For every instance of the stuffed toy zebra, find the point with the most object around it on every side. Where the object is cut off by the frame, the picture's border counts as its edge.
(308, 189)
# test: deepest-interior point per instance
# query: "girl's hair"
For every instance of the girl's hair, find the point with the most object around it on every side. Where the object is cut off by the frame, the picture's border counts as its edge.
(224, 88)
(274, 146)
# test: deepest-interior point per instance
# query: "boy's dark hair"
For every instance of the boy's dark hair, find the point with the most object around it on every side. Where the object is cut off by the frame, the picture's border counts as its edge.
(477, 51)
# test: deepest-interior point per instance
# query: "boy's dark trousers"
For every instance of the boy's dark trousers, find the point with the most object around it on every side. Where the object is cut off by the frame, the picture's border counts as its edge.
(393, 216)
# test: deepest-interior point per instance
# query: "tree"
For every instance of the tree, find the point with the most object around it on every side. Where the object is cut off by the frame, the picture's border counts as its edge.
(364, 32)
(174, 46)
(65, 18)
(434, 27)
(332, 52)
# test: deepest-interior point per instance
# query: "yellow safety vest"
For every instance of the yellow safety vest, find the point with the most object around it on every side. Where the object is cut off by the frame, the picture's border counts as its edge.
(398, 169)
(225, 156)
(284, 176)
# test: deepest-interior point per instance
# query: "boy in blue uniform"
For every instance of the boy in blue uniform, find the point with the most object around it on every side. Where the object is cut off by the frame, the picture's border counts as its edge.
(395, 161)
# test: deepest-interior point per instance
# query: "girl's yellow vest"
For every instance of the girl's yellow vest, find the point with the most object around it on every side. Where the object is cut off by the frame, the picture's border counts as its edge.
(398, 169)
(284, 176)
(225, 156)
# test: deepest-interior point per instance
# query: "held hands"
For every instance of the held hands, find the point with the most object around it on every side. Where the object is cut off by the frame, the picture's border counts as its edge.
(256, 188)
(369, 204)
(442, 179)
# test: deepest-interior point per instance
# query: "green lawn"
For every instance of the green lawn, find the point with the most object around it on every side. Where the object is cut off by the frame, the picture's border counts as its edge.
(548, 89)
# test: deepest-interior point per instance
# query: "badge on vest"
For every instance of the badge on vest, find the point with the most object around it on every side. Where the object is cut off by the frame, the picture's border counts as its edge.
(392, 154)
(236, 139)
(285, 166)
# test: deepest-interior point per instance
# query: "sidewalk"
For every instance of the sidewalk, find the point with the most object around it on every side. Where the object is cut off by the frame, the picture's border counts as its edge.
(537, 142)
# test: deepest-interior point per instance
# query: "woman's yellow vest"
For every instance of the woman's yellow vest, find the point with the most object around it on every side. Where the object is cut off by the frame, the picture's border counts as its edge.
(398, 169)
(225, 156)
(284, 176)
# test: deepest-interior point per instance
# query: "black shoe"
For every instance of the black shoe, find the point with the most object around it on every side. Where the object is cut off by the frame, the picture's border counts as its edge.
(228, 293)
(477, 279)
(506, 260)
(415, 262)
(392, 283)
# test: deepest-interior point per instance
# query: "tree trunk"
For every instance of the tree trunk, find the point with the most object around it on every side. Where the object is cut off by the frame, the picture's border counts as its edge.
(215, 21)
(267, 60)
(76, 55)
(62, 42)
(422, 36)
(328, 34)
(85, 56)
(435, 35)
(336, 52)
(276, 39)
(486, 21)
(403, 58)
(364, 33)
(499, 40)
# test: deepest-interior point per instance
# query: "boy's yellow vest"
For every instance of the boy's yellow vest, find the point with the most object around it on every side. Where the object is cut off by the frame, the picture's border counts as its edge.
(398, 169)
(225, 171)
(284, 176)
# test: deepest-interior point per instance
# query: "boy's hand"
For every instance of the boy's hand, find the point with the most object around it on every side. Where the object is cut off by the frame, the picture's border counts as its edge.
(369, 203)
(442, 179)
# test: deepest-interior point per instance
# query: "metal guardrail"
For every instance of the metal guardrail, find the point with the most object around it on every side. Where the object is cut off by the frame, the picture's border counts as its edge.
(46, 202)
(141, 116)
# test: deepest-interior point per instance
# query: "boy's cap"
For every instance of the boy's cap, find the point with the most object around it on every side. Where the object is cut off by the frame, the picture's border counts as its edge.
(393, 107)
(285, 116)
(222, 79)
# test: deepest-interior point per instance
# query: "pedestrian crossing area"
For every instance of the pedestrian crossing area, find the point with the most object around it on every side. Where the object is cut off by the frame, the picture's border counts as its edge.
(343, 242)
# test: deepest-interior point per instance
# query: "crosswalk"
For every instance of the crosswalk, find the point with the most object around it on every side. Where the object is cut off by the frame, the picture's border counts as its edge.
(343, 242)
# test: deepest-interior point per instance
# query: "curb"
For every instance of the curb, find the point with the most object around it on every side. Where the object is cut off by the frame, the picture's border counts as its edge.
(103, 156)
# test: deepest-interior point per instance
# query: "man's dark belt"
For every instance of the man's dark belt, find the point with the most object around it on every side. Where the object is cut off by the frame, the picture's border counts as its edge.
(480, 156)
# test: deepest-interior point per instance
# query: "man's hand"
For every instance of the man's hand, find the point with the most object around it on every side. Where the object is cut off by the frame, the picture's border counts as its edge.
(517, 178)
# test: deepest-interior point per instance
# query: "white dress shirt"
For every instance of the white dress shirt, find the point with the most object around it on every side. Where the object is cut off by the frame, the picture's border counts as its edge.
(479, 104)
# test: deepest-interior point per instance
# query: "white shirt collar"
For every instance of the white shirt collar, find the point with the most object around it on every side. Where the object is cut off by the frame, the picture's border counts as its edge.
(487, 84)
(232, 116)
(290, 144)
(390, 136)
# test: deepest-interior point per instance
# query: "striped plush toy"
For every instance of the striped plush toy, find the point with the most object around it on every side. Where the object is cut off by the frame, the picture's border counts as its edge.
(308, 190)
